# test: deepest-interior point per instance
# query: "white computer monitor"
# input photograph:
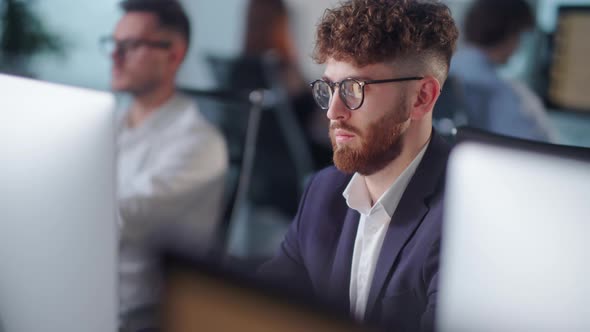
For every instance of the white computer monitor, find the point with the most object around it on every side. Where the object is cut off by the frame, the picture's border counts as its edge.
(516, 241)
(57, 208)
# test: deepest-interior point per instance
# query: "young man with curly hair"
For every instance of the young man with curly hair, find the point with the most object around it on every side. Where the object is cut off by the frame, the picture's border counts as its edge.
(367, 233)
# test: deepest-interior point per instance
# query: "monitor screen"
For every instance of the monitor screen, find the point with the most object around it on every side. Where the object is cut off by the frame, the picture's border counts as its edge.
(57, 208)
(515, 248)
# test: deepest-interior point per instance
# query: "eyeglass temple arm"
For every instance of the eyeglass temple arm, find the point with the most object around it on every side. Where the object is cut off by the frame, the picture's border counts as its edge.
(413, 78)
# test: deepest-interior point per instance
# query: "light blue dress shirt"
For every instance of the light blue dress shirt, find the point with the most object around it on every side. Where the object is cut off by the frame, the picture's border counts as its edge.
(491, 102)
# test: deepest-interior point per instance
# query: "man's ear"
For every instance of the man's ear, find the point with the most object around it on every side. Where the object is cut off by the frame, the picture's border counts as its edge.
(177, 53)
(429, 89)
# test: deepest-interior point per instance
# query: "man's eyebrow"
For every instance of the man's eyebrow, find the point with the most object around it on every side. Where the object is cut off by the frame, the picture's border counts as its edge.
(325, 78)
(358, 78)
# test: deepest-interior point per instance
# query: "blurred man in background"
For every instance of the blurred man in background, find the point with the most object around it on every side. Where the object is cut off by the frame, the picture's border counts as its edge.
(366, 236)
(493, 31)
(171, 161)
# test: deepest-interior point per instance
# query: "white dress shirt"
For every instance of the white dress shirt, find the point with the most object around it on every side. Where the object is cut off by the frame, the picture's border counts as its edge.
(373, 224)
(171, 171)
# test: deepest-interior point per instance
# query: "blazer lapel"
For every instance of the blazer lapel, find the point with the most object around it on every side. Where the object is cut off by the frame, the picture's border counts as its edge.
(403, 224)
(339, 284)
(409, 214)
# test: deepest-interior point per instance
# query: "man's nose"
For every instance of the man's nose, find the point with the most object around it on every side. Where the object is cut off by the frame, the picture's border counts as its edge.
(337, 109)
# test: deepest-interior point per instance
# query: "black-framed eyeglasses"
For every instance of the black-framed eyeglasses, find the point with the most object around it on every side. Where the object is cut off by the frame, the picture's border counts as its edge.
(109, 44)
(351, 90)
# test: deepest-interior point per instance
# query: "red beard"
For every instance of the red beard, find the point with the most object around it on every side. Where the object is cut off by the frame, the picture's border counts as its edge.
(381, 143)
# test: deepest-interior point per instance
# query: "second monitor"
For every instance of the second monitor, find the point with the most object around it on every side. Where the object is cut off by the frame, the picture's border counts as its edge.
(57, 208)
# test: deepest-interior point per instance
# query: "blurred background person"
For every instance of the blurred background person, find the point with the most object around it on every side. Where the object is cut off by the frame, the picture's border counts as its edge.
(171, 161)
(493, 30)
(268, 34)
(268, 29)
(292, 138)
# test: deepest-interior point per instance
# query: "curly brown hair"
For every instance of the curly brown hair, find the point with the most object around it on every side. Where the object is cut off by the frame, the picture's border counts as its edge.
(366, 32)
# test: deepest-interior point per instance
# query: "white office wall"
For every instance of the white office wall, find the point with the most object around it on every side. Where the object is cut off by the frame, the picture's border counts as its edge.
(305, 14)
(217, 28)
(80, 24)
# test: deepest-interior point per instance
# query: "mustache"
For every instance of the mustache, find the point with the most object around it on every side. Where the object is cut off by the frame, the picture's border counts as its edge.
(344, 126)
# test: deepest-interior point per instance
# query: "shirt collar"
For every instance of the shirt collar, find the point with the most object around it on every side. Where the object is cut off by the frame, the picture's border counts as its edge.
(357, 195)
(160, 116)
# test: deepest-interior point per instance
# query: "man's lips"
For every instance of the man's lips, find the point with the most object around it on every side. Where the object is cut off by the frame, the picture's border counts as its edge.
(342, 135)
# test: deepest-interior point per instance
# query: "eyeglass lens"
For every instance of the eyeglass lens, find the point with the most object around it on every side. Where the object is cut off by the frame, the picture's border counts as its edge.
(322, 93)
(350, 91)
(110, 45)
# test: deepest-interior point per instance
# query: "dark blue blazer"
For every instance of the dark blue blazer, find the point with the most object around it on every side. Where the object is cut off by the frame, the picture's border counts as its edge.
(316, 254)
